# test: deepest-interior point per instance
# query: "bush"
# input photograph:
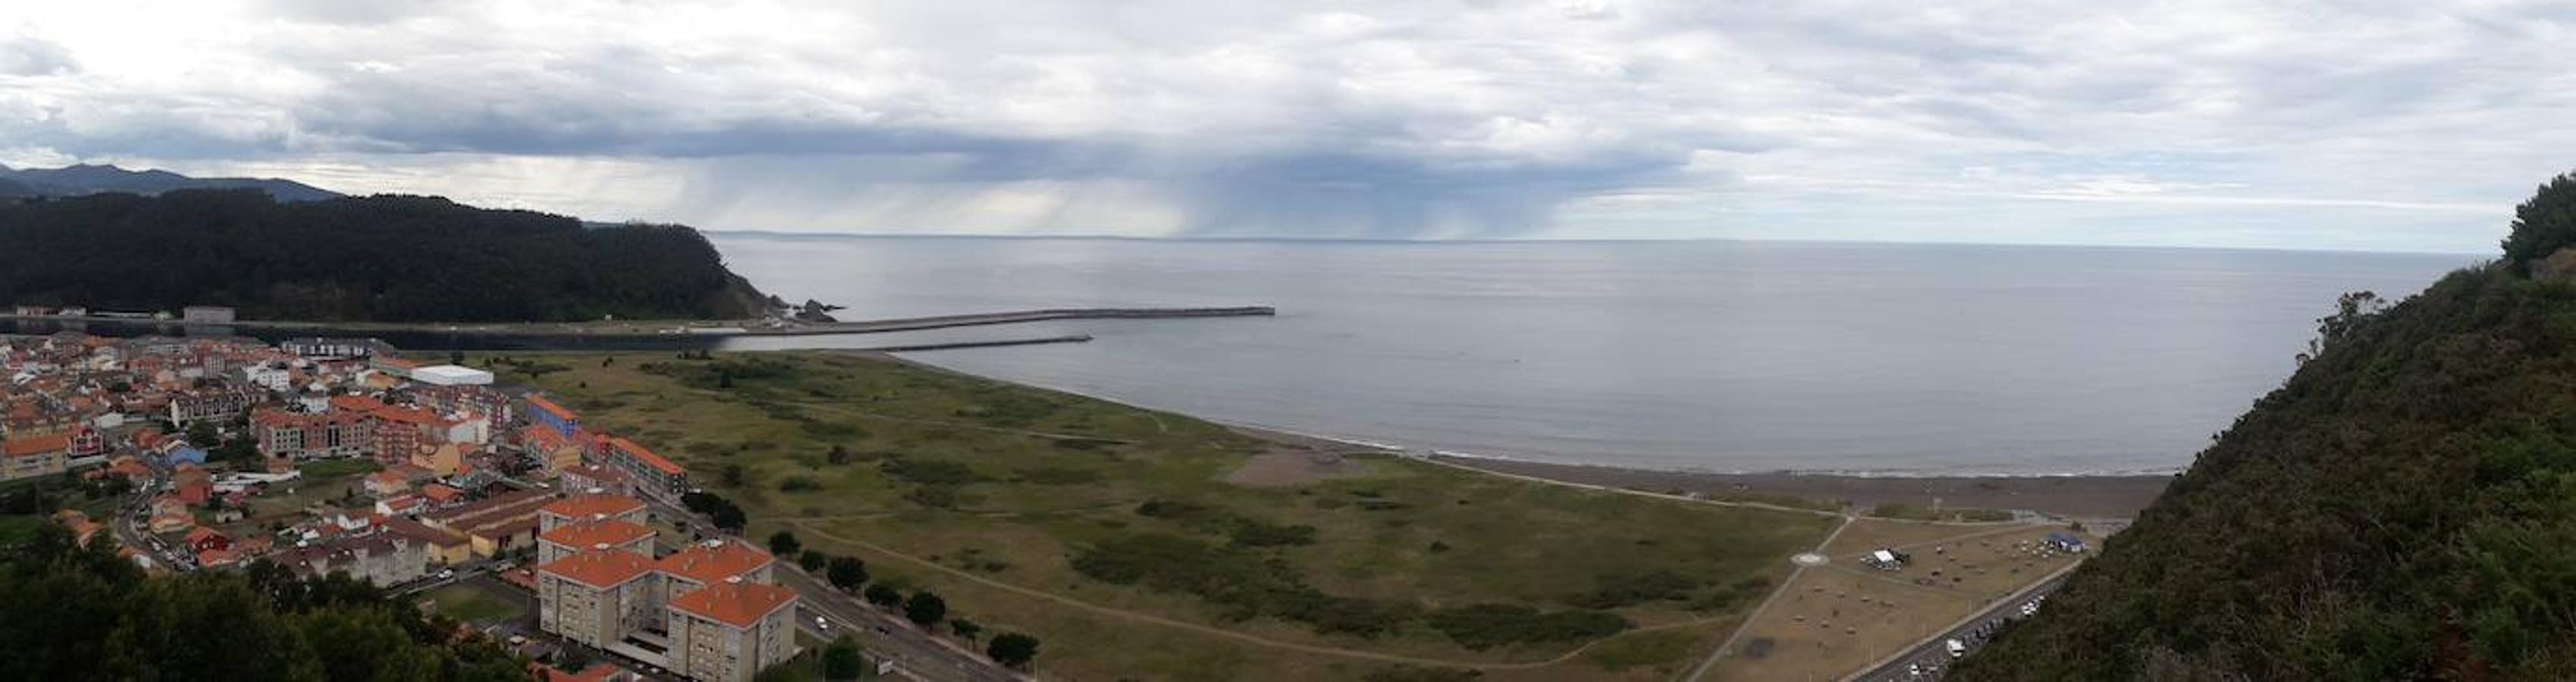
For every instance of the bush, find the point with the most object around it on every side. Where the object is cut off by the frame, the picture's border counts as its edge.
(1013, 649)
(1628, 590)
(1485, 626)
(931, 471)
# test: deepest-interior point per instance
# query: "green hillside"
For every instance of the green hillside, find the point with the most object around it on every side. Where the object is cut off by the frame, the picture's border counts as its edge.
(382, 258)
(2403, 507)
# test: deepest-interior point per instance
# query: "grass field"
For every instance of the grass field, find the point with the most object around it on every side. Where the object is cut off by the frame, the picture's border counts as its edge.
(1126, 540)
(469, 605)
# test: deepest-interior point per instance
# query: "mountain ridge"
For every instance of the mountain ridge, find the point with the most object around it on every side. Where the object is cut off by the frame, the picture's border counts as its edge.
(84, 179)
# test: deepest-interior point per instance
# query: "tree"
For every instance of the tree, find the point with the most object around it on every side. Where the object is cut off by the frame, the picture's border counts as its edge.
(925, 608)
(456, 357)
(202, 434)
(965, 628)
(729, 518)
(841, 660)
(811, 560)
(848, 572)
(839, 455)
(573, 658)
(733, 475)
(883, 597)
(1012, 649)
(2542, 224)
(783, 543)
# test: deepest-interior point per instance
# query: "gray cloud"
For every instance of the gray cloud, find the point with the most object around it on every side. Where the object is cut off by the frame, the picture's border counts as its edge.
(1346, 120)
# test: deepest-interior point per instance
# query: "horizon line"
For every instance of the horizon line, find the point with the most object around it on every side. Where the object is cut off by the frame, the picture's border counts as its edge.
(1591, 240)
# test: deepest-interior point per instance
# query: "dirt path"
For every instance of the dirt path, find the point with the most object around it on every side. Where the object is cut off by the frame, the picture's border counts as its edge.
(1255, 640)
(1720, 653)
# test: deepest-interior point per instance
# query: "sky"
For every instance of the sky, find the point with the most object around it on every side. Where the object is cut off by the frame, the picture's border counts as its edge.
(2401, 126)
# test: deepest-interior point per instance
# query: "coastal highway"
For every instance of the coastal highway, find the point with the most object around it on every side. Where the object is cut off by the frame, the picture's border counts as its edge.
(917, 655)
(1932, 656)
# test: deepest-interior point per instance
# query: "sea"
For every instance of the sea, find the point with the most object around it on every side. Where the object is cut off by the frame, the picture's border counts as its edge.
(1720, 356)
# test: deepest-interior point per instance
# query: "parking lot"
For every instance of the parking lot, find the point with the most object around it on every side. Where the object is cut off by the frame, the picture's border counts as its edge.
(1856, 611)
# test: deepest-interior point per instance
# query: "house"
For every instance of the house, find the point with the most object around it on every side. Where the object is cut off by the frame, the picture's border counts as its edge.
(730, 631)
(194, 493)
(202, 538)
(440, 547)
(380, 559)
(441, 495)
(167, 522)
(595, 478)
(32, 456)
(217, 558)
(189, 455)
(597, 672)
(2066, 542)
(404, 504)
(384, 483)
(590, 507)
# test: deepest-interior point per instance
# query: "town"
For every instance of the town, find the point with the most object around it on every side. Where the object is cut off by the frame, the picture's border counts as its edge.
(582, 549)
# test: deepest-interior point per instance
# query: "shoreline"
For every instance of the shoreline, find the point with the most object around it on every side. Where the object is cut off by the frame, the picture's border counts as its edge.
(658, 330)
(2106, 498)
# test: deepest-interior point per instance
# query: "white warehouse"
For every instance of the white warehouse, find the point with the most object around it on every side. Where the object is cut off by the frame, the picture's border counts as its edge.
(451, 375)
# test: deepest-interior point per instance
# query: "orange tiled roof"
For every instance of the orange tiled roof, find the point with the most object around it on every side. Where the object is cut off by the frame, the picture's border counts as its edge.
(736, 604)
(596, 504)
(650, 459)
(356, 403)
(599, 568)
(589, 534)
(37, 445)
(711, 562)
(548, 406)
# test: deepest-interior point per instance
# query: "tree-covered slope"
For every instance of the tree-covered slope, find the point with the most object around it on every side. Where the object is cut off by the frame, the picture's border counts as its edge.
(381, 258)
(2403, 507)
(70, 613)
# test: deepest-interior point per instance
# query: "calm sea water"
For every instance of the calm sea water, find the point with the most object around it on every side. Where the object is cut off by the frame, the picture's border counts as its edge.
(1718, 356)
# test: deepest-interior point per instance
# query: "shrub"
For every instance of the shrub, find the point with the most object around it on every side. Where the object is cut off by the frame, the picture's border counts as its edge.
(1485, 626)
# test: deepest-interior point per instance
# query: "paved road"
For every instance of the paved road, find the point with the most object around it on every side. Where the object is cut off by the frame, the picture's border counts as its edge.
(1932, 656)
(919, 655)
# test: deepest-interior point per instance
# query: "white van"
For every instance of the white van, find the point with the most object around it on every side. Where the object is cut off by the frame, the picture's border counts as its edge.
(1957, 648)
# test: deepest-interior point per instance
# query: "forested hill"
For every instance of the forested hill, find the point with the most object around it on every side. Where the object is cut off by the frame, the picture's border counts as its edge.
(381, 258)
(2403, 507)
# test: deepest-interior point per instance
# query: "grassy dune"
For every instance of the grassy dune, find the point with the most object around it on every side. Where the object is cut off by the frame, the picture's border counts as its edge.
(1115, 535)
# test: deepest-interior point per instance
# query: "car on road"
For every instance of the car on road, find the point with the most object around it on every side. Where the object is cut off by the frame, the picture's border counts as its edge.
(446, 573)
(1956, 647)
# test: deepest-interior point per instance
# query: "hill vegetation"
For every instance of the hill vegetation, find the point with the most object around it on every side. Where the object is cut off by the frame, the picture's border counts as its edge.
(70, 613)
(382, 258)
(2403, 507)
(79, 179)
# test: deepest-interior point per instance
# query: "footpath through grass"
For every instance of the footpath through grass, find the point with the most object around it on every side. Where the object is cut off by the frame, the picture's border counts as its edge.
(1116, 535)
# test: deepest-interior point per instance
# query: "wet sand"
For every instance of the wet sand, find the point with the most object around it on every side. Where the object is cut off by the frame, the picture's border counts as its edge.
(2093, 497)
(2079, 497)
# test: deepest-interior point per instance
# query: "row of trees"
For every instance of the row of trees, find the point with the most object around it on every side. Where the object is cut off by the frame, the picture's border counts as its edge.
(923, 607)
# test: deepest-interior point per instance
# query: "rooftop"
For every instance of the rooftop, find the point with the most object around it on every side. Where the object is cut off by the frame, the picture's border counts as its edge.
(593, 504)
(711, 562)
(647, 456)
(739, 604)
(37, 445)
(597, 532)
(541, 404)
(599, 567)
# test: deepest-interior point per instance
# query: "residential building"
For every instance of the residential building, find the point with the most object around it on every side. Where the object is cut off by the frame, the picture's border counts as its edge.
(587, 506)
(439, 547)
(730, 631)
(594, 533)
(307, 436)
(451, 375)
(652, 474)
(544, 412)
(32, 456)
(711, 562)
(495, 524)
(319, 347)
(380, 559)
(214, 403)
(597, 597)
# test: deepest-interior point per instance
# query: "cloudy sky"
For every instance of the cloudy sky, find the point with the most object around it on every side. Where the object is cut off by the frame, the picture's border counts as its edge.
(2351, 125)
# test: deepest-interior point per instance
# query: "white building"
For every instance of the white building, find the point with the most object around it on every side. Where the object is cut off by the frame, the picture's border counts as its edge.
(451, 375)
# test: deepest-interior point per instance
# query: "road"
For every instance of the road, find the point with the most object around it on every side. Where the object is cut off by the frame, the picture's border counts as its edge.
(918, 655)
(1932, 656)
